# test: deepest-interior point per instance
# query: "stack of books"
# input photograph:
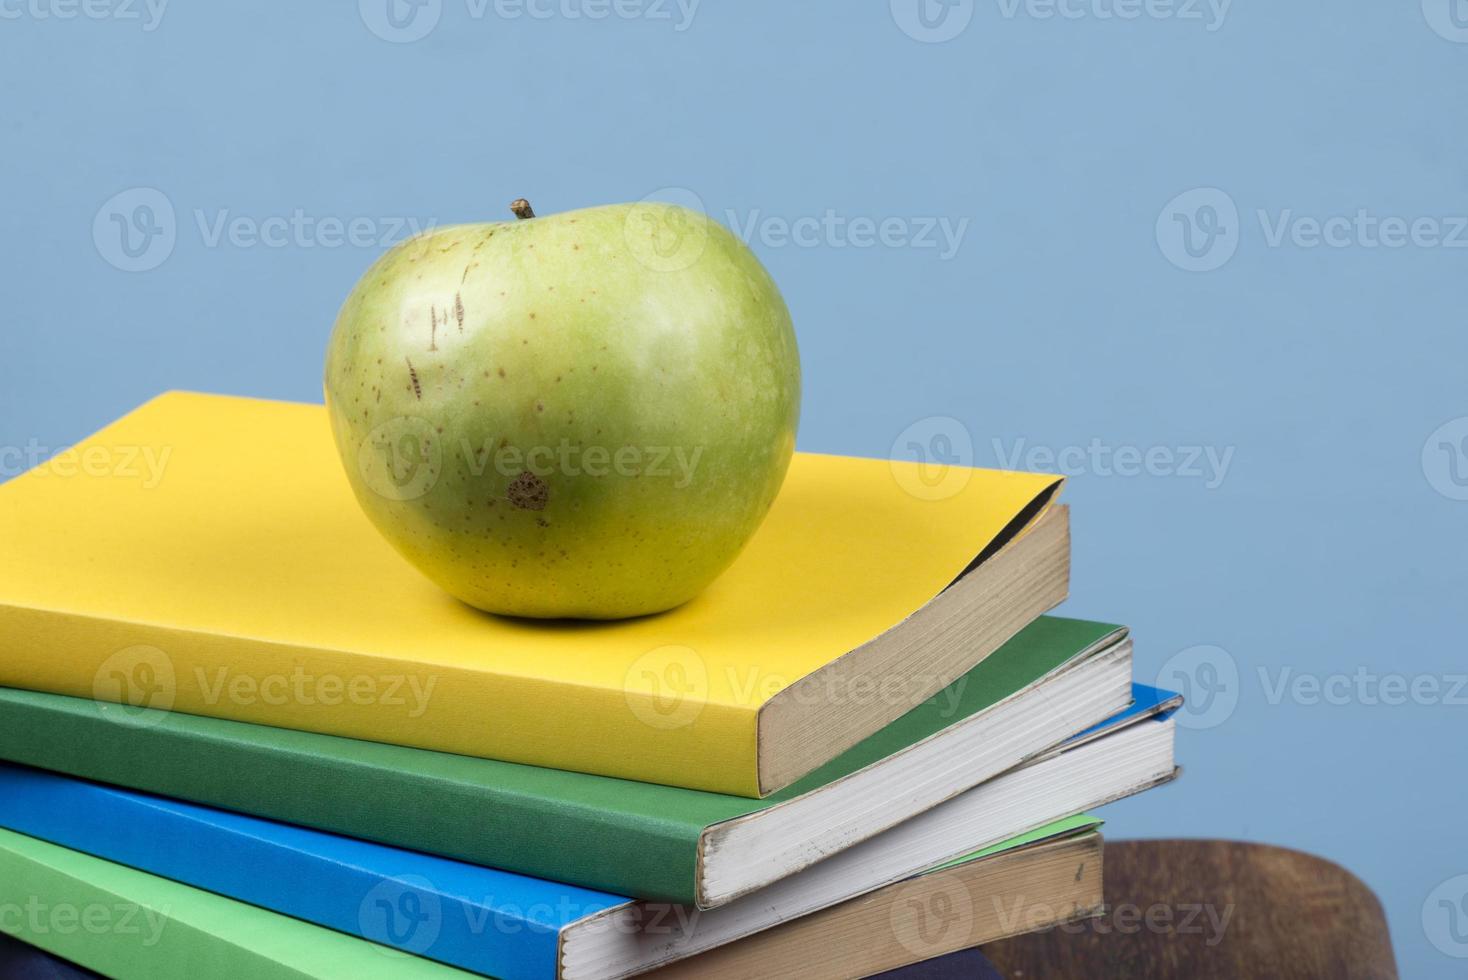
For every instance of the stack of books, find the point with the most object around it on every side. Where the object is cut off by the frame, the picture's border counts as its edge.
(242, 737)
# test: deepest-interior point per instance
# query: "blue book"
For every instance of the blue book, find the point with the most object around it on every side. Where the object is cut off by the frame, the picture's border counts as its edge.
(494, 922)
(1147, 702)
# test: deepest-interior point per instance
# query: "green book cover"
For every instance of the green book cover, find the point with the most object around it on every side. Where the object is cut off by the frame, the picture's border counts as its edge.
(134, 926)
(621, 836)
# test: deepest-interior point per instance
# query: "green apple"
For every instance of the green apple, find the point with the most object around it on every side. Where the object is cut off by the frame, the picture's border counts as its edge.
(583, 415)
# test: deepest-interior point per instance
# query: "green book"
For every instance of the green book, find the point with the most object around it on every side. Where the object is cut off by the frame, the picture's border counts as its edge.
(1054, 679)
(128, 924)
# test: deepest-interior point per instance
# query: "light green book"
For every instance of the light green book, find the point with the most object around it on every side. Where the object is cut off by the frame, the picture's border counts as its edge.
(127, 924)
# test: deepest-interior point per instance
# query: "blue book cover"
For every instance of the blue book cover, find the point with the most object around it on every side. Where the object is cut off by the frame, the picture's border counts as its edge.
(493, 922)
(1147, 702)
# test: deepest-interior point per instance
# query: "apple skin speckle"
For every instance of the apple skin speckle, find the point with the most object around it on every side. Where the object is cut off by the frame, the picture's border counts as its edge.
(632, 488)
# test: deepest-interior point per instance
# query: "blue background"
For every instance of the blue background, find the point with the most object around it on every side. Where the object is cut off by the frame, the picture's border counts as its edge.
(1334, 542)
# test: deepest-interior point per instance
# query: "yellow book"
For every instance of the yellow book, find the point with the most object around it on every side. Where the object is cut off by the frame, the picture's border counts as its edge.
(205, 554)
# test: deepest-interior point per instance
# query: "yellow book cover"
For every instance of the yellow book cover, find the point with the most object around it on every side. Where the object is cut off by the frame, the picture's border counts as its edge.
(205, 554)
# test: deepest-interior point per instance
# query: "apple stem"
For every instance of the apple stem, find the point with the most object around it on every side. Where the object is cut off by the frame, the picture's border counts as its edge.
(521, 209)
